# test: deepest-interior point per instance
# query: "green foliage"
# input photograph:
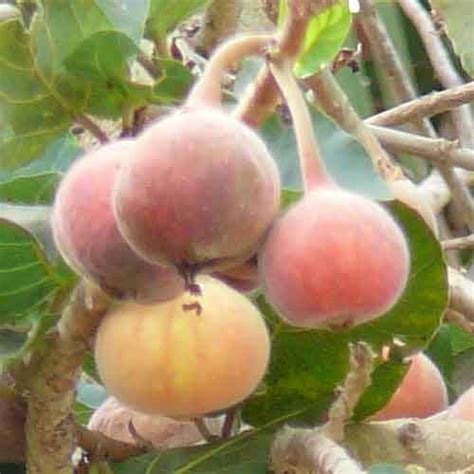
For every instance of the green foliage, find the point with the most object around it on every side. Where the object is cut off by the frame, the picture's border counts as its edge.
(36, 182)
(458, 16)
(244, 454)
(165, 15)
(324, 37)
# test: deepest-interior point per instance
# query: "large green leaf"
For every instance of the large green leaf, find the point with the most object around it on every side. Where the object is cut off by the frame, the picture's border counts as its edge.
(245, 454)
(346, 159)
(28, 282)
(165, 15)
(36, 182)
(459, 18)
(324, 37)
(307, 365)
(31, 112)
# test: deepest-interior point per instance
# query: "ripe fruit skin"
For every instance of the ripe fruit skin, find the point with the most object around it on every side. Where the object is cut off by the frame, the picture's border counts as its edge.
(113, 420)
(335, 259)
(201, 188)
(422, 393)
(170, 359)
(463, 408)
(87, 236)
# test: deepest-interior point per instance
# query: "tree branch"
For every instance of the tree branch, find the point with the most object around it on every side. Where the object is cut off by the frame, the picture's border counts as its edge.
(436, 150)
(261, 98)
(427, 443)
(334, 102)
(442, 65)
(402, 90)
(307, 451)
(355, 384)
(92, 127)
(99, 446)
(461, 294)
(49, 429)
(460, 243)
(426, 106)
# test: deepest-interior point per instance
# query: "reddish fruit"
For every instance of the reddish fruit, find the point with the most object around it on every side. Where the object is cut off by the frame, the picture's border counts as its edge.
(463, 408)
(86, 233)
(113, 420)
(422, 392)
(201, 189)
(195, 354)
(335, 259)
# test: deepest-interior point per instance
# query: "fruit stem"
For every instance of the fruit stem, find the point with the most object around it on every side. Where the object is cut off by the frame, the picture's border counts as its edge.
(313, 170)
(207, 90)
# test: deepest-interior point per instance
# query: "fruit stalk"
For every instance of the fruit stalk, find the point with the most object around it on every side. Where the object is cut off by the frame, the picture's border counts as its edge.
(313, 171)
(207, 90)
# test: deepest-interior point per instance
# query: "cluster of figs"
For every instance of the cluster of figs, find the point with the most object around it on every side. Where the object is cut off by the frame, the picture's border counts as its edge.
(170, 223)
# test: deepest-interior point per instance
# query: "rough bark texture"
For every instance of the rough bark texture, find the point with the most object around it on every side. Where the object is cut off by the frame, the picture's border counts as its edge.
(50, 431)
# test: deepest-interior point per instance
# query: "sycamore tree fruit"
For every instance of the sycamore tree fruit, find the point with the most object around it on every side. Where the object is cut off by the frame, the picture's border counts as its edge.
(186, 357)
(422, 392)
(335, 258)
(114, 420)
(87, 236)
(201, 189)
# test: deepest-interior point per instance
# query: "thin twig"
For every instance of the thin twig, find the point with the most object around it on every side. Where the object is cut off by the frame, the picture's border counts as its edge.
(261, 98)
(204, 430)
(441, 63)
(461, 297)
(358, 379)
(436, 150)
(460, 243)
(426, 106)
(99, 446)
(386, 56)
(403, 90)
(148, 64)
(92, 127)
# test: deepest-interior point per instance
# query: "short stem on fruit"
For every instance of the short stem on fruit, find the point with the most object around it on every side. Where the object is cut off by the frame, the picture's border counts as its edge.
(229, 422)
(204, 430)
(207, 90)
(312, 166)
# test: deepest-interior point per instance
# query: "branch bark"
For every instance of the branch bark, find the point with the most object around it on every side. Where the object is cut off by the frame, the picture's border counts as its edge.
(426, 106)
(262, 96)
(442, 64)
(50, 431)
(436, 150)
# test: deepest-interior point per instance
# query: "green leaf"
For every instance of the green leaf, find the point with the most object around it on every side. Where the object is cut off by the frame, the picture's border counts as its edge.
(307, 365)
(459, 18)
(244, 454)
(32, 115)
(28, 282)
(324, 37)
(36, 182)
(174, 82)
(126, 16)
(102, 62)
(165, 15)
(463, 376)
(344, 157)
